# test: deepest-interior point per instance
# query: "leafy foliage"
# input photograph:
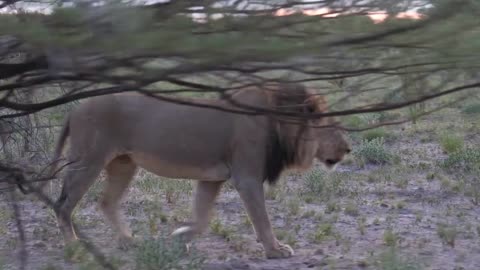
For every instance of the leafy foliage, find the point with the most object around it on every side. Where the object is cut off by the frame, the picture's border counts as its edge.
(373, 152)
(472, 109)
(467, 159)
(374, 134)
(323, 186)
(314, 182)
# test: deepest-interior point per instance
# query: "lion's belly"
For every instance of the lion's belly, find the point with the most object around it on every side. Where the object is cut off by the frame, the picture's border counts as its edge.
(165, 168)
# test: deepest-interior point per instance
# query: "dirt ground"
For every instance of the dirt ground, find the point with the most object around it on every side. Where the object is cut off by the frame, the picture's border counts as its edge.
(411, 210)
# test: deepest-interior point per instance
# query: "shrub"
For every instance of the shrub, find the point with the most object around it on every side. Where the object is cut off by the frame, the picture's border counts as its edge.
(451, 143)
(465, 166)
(447, 234)
(161, 254)
(150, 184)
(390, 260)
(323, 232)
(293, 206)
(373, 152)
(467, 159)
(75, 252)
(472, 187)
(390, 238)
(471, 109)
(219, 229)
(319, 184)
(375, 133)
(5, 216)
(314, 182)
(387, 116)
(171, 188)
(354, 121)
(351, 209)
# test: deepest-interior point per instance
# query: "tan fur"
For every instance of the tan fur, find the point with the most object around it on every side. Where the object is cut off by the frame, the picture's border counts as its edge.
(122, 132)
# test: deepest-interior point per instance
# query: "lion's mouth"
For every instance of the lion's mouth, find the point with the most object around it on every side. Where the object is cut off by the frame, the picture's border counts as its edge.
(331, 162)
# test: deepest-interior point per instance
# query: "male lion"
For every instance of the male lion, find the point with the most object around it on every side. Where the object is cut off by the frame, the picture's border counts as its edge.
(122, 132)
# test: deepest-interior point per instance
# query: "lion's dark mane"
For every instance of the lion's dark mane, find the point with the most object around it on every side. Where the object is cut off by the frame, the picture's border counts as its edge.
(280, 154)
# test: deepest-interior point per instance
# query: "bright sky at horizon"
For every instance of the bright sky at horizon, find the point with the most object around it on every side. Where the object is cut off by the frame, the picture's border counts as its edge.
(377, 17)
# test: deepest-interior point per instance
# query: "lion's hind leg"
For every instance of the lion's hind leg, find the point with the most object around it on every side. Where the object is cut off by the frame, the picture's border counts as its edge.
(120, 172)
(205, 196)
(79, 177)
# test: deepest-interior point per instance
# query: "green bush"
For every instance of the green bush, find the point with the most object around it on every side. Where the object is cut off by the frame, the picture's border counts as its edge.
(354, 121)
(465, 167)
(375, 133)
(472, 186)
(314, 182)
(322, 185)
(387, 116)
(471, 109)
(373, 152)
(467, 159)
(161, 254)
(451, 143)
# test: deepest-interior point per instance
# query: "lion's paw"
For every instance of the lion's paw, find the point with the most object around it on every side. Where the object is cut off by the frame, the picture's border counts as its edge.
(184, 234)
(182, 231)
(281, 251)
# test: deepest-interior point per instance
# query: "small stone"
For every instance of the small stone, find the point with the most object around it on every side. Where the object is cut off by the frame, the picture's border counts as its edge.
(238, 264)
(311, 263)
(39, 244)
(319, 252)
(362, 264)
(216, 266)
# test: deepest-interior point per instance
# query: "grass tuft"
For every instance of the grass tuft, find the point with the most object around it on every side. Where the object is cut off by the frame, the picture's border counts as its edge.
(451, 143)
(162, 254)
(391, 260)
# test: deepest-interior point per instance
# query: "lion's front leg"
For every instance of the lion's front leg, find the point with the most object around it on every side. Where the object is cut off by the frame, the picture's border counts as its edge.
(252, 195)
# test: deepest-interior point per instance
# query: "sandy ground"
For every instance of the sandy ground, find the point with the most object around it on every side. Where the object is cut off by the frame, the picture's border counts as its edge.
(409, 202)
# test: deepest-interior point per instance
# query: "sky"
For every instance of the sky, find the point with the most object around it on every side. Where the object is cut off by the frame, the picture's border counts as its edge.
(377, 17)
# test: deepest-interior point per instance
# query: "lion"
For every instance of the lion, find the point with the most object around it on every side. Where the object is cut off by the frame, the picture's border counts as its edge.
(123, 132)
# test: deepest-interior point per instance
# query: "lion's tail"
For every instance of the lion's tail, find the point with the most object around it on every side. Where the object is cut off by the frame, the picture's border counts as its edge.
(64, 133)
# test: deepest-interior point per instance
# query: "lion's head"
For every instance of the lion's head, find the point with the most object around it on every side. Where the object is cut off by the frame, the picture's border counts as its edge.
(332, 145)
(297, 142)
